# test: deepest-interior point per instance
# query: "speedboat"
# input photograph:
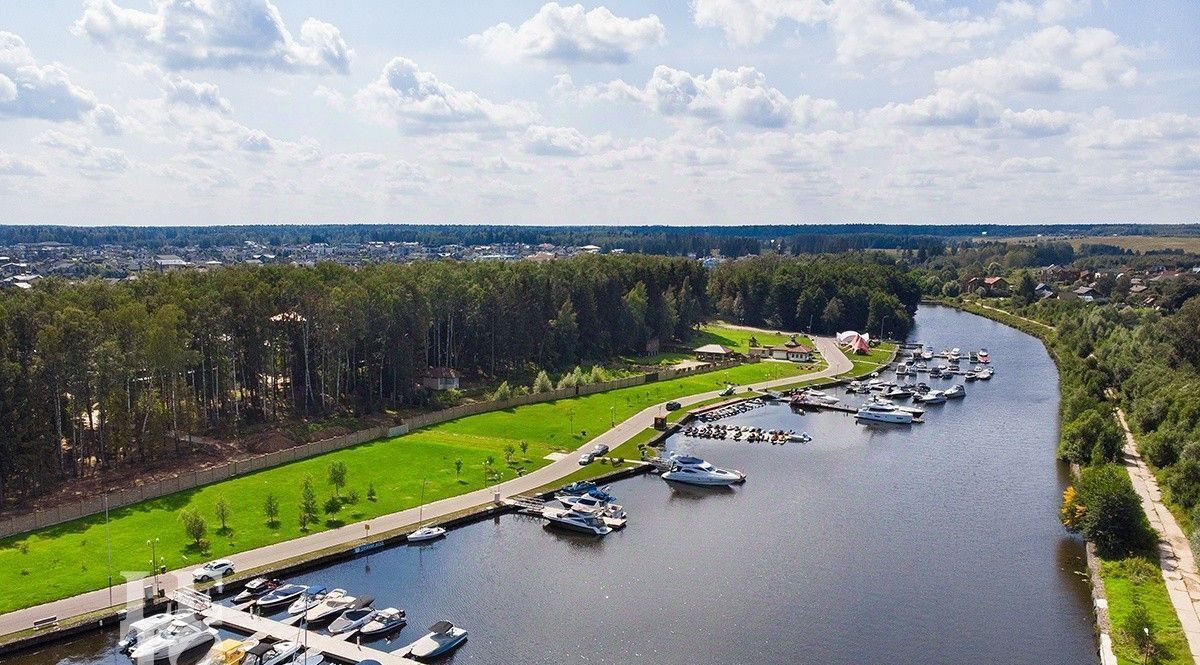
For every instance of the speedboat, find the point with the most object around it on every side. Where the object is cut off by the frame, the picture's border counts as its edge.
(821, 396)
(310, 598)
(426, 533)
(884, 413)
(598, 499)
(228, 652)
(916, 411)
(255, 588)
(922, 367)
(143, 629)
(931, 397)
(983, 356)
(898, 393)
(281, 595)
(578, 487)
(172, 641)
(955, 391)
(334, 604)
(927, 355)
(276, 653)
(583, 520)
(984, 374)
(385, 621)
(442, 637)
(354, 618)
(803, 437)
(902, 369)
(695, 471)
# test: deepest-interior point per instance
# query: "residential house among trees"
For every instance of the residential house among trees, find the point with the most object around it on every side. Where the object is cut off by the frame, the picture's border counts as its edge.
(440, 378)
(789, 350)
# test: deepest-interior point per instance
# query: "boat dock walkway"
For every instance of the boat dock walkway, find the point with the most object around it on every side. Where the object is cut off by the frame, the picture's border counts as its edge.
(838, 406)
(259, 627)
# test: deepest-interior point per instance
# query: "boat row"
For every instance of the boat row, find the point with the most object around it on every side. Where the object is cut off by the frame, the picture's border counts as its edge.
(731, 410)
(748, 434)
(925, 352)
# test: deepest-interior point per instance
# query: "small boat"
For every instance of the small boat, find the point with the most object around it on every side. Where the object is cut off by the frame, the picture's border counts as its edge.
(598, 499)
(143, 629)
(695, 471)
(255, 588)
(281, 595)
(956, 391)
(922, 367)
(334, 604)
(275, 653)
(442, 637)
(578, 487)
(902, 369)
(927, 355)
(898, 393)
(883, 413)
(983, 356)
(802, 437)
(228, 652)
(426, 533)
(931, 397)
(583, 520)
(385, 621)
(309, 599)
(821, 396)
(355, 617)
(177, 638)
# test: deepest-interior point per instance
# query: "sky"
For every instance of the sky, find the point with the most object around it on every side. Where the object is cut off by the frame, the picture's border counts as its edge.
(173, 112)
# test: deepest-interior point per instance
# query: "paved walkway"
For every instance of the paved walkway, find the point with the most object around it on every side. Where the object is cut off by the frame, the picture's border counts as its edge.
(1174, 551)
(1017, 316)
(352, 533)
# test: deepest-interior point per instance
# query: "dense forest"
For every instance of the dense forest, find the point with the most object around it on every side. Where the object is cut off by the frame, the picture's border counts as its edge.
(826, 294)
(93, 374)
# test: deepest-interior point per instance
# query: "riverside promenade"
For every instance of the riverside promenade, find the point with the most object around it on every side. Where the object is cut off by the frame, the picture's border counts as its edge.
(356, 533)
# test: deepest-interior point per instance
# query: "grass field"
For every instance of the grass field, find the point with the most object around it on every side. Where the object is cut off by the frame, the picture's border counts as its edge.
(1138, 580)
(71, 558)
(739, 340)
(1136, 243)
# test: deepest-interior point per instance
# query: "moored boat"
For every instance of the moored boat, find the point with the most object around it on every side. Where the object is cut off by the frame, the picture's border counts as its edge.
(442, 638)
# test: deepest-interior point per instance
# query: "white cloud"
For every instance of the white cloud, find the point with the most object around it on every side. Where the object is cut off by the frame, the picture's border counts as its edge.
(1050, 60)
(725, 95)
(216, 34)
(943, 108)
(108, 120)
(570, 34)
(1030, 165)
(30, 90)
(1036, 123)
(561, 141)
(15, 166)
(184, 91)
(1104, 131)
(92, 161)
(1053, 11)
(889, 29)
(360, 161)
(418, 102)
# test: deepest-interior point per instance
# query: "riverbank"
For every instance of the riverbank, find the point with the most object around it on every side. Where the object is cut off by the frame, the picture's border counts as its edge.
(1124, 584)
(548, 417)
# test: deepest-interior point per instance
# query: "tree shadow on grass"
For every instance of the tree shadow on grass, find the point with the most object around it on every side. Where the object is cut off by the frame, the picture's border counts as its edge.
(334, 523)
(172, 502)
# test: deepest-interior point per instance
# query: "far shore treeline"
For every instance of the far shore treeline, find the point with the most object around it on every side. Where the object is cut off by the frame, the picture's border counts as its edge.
(95, 375)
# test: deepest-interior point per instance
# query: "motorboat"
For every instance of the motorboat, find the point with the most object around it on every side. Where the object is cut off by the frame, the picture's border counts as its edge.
(898, 393)
(426, 533)
(916, 411)
(385, 621)
(983, 356)
(956, 391)
(819, 396)
(922, 367)
(144, 628)
(578, 487)
(984, 374)
(173, 640)
(884, 413)
(275, 653)
(309, 599)
(255, 588)
(803, 437)
(598, 499)
(695, 471)
(334, 604)
(355, 617)
(935, 372)
(931, 397)
(927, 355)
(442, 638)
(902, 369)
(583, 520)
(228, 652)
(281, 595)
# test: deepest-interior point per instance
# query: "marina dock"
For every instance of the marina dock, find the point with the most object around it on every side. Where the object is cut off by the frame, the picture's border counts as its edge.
(260, 627)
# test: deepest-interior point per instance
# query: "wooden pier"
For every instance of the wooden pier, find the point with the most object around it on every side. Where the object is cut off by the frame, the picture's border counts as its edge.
(260, 627)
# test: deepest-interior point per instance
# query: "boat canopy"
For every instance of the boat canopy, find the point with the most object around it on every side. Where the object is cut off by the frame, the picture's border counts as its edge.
(688, 459)
(441, 628)
(316, 590)
(261, 649)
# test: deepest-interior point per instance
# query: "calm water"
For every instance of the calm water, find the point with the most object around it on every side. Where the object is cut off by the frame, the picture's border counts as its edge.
(935, 543)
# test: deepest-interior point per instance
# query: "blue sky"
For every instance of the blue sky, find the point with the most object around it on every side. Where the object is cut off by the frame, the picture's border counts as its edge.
(708, 112)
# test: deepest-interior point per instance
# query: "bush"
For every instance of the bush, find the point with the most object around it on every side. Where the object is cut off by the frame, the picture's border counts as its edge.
(1090, 438)
(1112, 513)
(542, 383)
(503, 392)
(1183, 482)
(1159, 449)
(194, 526)
(332, 505)
(371, 495)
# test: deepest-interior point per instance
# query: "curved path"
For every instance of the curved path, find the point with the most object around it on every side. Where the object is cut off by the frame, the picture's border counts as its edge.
(95, 601)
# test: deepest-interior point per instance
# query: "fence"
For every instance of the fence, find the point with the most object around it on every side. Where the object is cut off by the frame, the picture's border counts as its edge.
(192, 479)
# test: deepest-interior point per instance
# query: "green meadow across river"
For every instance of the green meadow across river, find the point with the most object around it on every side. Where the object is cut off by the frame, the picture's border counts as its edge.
(70, 558)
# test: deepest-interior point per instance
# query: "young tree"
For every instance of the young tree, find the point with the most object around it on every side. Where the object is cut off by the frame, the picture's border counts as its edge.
(524, 448)
(308, 504)
(224, 512)
(458, 467)
(503, 392)
(337, 477)
(509, 451)
(542, 383)
(271, 509)
(194, 526)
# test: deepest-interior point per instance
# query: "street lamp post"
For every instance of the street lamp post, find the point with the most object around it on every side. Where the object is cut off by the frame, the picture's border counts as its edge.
(153, 543)
(108, 539)
(612, 415)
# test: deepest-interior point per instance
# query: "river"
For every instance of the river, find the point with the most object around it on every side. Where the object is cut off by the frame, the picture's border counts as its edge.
(932, 543)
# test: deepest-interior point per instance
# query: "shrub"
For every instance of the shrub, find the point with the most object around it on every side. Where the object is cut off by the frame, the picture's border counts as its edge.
(352, 496)
(1183, 481)
(503, 392)
(1090, 437)
(194, 526)
(542, 383)
(371, 495)
(1112, 513)
(332, 505)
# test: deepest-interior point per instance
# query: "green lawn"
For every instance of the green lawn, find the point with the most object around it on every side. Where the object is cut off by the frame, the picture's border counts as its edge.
(739, 340)
(627, 451)
(71, 558)
(1138, 579)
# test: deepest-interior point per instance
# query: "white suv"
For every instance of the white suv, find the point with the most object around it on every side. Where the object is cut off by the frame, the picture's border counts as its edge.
(213, 570)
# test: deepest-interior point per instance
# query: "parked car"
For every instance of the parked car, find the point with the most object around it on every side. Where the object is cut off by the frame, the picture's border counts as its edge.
(674, 406)
(600, 450)
(213, 570)
(586, 459)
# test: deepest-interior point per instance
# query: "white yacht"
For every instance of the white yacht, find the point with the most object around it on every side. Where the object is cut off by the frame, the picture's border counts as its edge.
(334, 604)
(144, 629)
(353, 618)
(931, 397)
(583, 520)
(902, 369)
(984, 374)
(695, 471)
(177, 638)
(916, 411)
(385, 621)
(883, 413)
(272, 654)
(956, 391)
(426, 533)
(595, 499)
(442, 637)
(819, 396)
